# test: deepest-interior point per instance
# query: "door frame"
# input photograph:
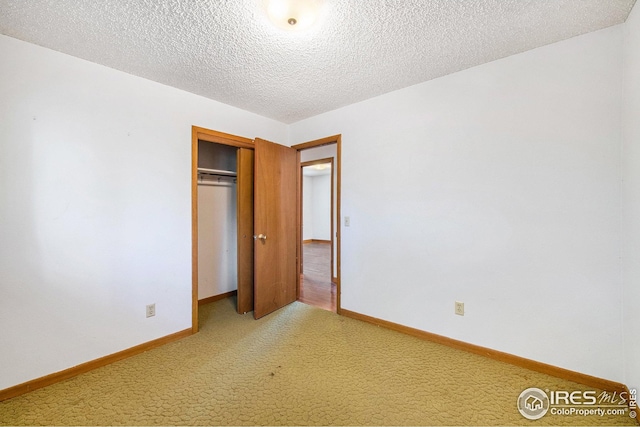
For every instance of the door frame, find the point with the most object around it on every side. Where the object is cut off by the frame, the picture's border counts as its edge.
(208, 135)
(334, 139)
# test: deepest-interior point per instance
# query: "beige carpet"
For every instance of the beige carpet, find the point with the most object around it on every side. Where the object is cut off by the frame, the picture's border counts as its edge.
(299, 366)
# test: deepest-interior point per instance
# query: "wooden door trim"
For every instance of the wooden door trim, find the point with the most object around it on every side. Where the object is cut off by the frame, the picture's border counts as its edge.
(317, 162)
(245, 219)
(318, 142)
(298, 224)
(334, 139)
(301, 218)
(208, 135)
(223, 138)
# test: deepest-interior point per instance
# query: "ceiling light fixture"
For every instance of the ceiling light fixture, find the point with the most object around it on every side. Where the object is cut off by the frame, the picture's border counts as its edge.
(293, 15)
(322, 166)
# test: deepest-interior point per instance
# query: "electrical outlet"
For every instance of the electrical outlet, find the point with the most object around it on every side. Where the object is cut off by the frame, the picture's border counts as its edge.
(151, 310)
(459, 310)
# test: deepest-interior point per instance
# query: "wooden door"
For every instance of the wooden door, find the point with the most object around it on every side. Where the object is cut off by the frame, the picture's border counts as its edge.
(275, 226)
(245, 230)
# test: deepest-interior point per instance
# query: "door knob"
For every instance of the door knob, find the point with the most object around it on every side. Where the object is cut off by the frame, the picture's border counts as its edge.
(262, 237)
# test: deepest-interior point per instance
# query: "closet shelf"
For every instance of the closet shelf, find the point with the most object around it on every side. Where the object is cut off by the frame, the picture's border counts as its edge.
(216, 172)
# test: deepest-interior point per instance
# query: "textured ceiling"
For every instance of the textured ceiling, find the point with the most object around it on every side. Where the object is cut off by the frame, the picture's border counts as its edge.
(228, 50)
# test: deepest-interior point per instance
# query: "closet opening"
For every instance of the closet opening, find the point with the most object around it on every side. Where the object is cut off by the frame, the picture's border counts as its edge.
(217, 221)
(222, 212)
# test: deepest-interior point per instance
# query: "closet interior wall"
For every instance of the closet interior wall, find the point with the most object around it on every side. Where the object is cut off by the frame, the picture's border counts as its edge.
(217, 220)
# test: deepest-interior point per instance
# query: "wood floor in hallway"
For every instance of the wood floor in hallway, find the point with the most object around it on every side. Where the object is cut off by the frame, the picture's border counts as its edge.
(315, 285)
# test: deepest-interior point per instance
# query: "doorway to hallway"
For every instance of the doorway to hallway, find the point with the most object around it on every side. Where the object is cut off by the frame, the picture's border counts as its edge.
(319, 224)
(317, 188)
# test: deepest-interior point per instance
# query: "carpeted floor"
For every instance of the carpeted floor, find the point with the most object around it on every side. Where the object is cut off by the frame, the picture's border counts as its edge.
(298, 366)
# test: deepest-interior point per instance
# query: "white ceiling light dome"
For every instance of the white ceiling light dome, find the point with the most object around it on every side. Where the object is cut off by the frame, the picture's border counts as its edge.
(293, 15)
(322, 166)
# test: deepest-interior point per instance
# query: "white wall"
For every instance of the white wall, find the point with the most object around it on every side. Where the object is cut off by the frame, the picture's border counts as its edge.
(321, 207)
(631, 197)
(95, 207)
(307, 207)
(497, 186)
(316, 207)
(217, 239)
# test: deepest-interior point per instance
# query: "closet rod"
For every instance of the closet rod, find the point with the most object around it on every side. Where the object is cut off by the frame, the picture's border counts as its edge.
(206, 171)
(217, 184)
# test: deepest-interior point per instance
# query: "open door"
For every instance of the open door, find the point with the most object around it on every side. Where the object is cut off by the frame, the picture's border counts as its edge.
(275, 226)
